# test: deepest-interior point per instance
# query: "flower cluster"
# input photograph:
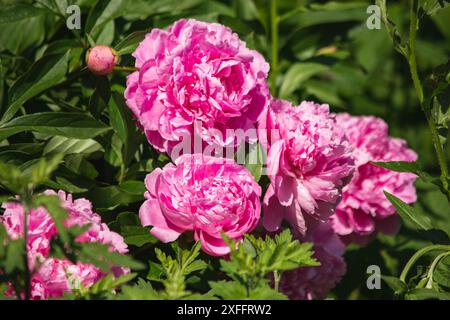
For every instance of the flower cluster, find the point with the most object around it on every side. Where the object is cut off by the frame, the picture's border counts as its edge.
(205, 194)
(364, 208)
(53, 277)
(196, 79)
(309, 161)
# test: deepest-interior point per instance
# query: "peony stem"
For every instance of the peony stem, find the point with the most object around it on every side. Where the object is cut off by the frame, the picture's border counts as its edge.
(414, 24)
(417, 256)
(276, 280)
(125, 69)
(274, 38)
(27, 275)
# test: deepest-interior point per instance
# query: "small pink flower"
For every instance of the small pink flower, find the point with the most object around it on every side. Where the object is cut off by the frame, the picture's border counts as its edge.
(309, 161)
(364, 209)
(53, 277)
(307, 283)
(196, 79)
(204, 194)
(101, 60)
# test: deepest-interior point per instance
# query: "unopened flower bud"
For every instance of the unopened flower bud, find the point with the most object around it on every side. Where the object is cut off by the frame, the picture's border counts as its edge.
(101, 60)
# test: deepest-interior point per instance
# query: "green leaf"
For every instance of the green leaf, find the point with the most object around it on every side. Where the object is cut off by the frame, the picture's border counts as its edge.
(119, 195)
(441, 274)
(70, 125)
(43, 169)
(43, 74)
(397, 285)
(14, 256)
(128, 225)
(254, 160)
(109, 283)
(141, 291)
(228, 290)
(58, 144)
(426, 294)
(101, 256)
(121, 119)
(10, 177)
(405, 166)
(400, 166)
(266, 293)
(19, 12)
(431, 7)
(100, 98)
(104, 11)
(130, 42)
(297, 74)
(409, 213)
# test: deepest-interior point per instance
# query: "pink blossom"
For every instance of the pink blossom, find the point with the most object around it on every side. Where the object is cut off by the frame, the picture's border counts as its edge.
(309, 161)
(196, 78)
(364, 209)
(101, 60)
(53, 277)
(307, 283)
(205, 194)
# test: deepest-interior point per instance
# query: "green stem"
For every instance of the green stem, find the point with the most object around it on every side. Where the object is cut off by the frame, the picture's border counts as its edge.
(417, 256)
(125, 69)
(276, 280)
(433, 266)
(414, 23)
(27, 275)
(274, 40)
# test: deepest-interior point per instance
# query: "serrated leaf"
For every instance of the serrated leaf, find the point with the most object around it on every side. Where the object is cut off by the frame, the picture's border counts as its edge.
(266, 293)
(426, 294)
(141, 291)
(228, 290)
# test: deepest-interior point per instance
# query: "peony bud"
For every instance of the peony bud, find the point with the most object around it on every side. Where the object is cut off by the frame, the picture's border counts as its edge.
(101, 60)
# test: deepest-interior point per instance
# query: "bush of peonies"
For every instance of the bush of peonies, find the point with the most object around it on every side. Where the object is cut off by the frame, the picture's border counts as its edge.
(54, 277)
(199, 80)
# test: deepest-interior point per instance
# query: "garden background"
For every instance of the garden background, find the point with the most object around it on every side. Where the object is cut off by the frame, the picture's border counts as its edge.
(326, 53)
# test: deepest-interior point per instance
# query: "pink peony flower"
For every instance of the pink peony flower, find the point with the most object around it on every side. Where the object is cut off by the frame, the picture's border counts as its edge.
(53, 277)
(101, 60)
(309, 161)
(364, 209)
(196, 79)
(307, 283)
(205, 194)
